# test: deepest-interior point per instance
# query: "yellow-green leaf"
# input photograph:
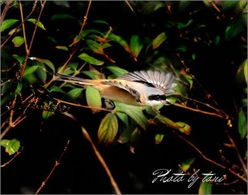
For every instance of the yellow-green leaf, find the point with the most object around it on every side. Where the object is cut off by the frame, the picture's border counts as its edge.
(181, 126)
(47, 114)
(108, 128)
(18, 41)
(159, 40)
(205, 188)
(62, 47)
(159, 138)
(186, 164)
(11, 146)
(36, 22)
(7, 24)
(242, 124)
(93, 98)
(91, 60)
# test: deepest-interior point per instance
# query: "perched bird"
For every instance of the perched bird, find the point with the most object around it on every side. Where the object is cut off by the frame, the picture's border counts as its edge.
(140, 88)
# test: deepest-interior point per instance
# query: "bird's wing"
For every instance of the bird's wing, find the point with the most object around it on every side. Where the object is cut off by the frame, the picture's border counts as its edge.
(158, 79)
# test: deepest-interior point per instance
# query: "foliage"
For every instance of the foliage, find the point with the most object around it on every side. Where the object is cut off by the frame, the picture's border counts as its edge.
(102, 48)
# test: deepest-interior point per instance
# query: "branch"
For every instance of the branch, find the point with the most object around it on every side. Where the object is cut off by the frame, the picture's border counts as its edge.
(56, 164)
(98, 155)
(13, 158)
(210, 160)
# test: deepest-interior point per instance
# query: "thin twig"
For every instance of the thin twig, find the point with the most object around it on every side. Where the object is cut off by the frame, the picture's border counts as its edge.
(82, 106)
(13, 158)
(98, 155)
(23, 29)
(237, 152)
(56, 164)
(16, 29)
(130, 6)
(24, 64)
(198, 110)
(5, 10)
(85, 17)
(210, 160)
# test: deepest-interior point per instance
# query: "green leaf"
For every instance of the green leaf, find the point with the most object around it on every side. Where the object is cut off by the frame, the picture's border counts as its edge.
(11, 146)
(133, 112)
(108, 128)
(62, 17)
(242, 72)
(234, 29)
(184, 25)
(92, 75)
(123, 117)
(159, 138)
(20, 59)
(30, 70)
(118, 39)
(7, 24)
(159, 40)
(41, 72)
(205, 188)
(91, 60)
(117, 71)
(18, 88)
(246, 70)
(47, 114)
(93, 98)
(95, 47)
(64, 48)
(18, 41)
(101, 22)
(242, 124)
(44, 61)
(187, 164)
(135, 45)
(181, 48)
(75, 93)
(56, 89)
(36, 22)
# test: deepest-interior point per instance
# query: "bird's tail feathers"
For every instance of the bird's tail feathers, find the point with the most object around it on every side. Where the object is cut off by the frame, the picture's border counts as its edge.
(74, 80)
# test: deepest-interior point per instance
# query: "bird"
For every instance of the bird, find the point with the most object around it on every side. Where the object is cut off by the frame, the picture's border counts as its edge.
(138, 88)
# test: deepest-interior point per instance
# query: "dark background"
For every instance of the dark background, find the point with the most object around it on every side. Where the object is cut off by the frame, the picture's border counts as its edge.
(80, 171)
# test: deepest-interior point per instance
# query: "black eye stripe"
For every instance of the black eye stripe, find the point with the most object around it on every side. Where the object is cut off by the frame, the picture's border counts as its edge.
(157, 97)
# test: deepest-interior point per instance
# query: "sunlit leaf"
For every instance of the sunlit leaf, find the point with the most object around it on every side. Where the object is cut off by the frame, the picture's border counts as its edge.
(75, 93)
(56, 89)
(92, 75)
(159, 138)
(47, 114)
(93, 98)
(135, 45)
(133, 112)
(108, 128)
(91, 60)
(123, 117)
(186, 164)
(44, 61)
(242, 72)
(159, 40)
(36, 22)
(7, 24)
(20, 59)
(62, 47)
(18, 41)
(181, 126)
(242, 124)
(117, 71)
(205, 188)
(11, 146)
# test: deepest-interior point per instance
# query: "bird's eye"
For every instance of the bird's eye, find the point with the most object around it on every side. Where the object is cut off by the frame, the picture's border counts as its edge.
(157, 97)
